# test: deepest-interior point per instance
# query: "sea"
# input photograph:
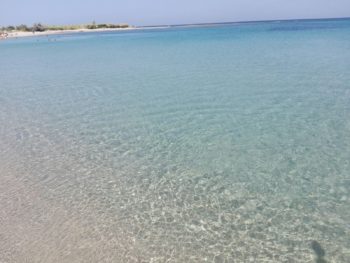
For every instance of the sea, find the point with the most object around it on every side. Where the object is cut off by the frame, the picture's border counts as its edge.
(214, 143)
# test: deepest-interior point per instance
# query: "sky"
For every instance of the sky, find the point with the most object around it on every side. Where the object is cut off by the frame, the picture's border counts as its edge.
(164, 12)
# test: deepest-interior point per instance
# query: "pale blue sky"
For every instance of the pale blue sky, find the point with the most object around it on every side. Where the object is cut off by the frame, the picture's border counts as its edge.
(153, 12)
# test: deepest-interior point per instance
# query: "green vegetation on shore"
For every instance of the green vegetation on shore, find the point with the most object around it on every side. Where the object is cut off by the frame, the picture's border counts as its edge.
(38, 27)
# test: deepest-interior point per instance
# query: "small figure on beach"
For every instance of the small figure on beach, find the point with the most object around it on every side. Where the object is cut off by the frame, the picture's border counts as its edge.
(3, 35)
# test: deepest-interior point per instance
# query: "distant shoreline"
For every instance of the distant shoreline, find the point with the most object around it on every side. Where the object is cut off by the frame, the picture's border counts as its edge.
(50, 32)
(21, 34)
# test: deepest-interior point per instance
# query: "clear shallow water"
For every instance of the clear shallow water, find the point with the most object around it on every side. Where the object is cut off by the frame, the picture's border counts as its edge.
(219, 144)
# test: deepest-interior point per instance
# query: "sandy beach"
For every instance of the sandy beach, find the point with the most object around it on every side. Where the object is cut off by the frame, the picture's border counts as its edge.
(20, 34)
(17, 34)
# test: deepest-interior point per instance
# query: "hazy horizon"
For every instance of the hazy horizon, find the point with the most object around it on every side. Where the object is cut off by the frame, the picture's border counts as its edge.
(194, 23)
(170, 12)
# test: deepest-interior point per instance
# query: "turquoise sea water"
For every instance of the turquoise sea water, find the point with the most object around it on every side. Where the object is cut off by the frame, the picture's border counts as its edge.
(226, 143)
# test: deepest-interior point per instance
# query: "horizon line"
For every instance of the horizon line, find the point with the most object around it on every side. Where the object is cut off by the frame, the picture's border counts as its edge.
(247, 21)
(215, 23)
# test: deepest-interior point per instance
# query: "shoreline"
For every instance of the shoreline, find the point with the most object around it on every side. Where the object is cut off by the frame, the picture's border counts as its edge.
(22, 34)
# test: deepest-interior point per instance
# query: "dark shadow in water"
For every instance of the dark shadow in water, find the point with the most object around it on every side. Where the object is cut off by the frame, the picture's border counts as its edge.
(319, 251)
